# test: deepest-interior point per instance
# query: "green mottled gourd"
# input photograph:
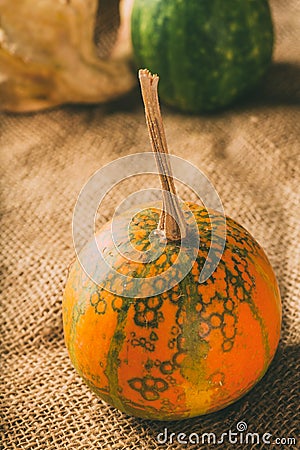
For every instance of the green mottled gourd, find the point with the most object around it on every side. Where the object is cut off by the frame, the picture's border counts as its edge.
(207, 53)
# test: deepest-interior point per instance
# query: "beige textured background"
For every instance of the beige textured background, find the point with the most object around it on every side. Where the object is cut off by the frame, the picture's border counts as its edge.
(250, 153)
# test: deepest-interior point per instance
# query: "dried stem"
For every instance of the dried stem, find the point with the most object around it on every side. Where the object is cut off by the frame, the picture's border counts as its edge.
(172, 221)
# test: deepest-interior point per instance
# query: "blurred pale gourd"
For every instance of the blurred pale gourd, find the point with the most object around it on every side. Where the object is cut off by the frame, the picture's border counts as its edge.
(59, 51)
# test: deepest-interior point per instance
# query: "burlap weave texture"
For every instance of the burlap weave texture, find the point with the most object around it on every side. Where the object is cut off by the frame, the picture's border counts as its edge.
(250, 153)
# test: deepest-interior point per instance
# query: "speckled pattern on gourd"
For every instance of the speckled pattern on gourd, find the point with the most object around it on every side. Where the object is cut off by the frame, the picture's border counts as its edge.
(207, 53)
(188, 351)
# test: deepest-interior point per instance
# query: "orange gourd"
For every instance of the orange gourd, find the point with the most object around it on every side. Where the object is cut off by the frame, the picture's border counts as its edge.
(187, 351)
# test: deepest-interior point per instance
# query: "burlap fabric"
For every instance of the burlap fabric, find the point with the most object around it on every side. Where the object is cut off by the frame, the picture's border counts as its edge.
(251, 155)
